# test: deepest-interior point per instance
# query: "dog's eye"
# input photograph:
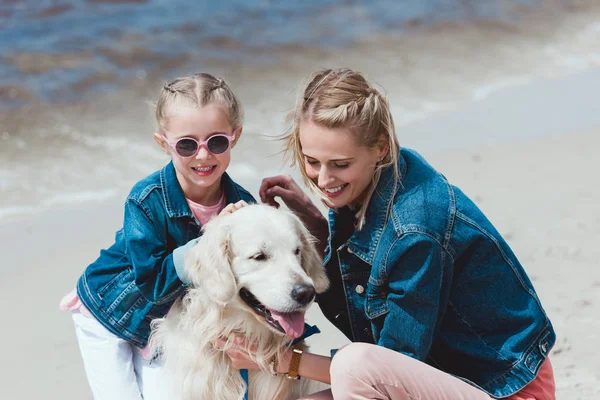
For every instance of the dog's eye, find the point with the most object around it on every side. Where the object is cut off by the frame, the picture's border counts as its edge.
(259, 256)
(297, 251)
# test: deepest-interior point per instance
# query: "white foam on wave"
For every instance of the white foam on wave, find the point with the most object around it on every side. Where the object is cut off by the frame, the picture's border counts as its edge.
(576, 52)
(570, 53)
(475, 77)
(58, 200)
(484, 91)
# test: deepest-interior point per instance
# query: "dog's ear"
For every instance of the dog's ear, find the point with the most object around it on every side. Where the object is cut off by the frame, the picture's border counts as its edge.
(208, 263)
(310, 258)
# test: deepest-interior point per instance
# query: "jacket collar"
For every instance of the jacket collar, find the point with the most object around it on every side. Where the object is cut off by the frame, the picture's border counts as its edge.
(175, 202)
(363, 243)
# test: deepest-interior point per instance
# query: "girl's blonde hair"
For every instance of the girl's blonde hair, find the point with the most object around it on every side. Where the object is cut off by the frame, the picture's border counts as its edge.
(197, 91)
(336, 98)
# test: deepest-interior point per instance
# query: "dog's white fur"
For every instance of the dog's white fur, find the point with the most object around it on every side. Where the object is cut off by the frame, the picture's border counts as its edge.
(219, 266)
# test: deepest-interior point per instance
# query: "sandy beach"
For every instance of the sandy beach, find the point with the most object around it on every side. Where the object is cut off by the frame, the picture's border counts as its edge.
(540, 192)
(510, 115)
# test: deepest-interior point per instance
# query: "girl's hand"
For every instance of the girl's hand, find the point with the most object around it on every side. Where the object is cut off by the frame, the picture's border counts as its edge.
(233, 207)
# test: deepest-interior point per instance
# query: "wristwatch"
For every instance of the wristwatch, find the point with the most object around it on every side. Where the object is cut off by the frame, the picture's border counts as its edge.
(295, 361)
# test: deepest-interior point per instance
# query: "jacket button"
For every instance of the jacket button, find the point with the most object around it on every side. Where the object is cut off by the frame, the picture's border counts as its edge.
(359, 289)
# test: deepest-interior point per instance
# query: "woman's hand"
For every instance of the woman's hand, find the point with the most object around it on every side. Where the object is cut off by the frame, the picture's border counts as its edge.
(312, 366)
(233, 207)
(240, 358)
(284, 187)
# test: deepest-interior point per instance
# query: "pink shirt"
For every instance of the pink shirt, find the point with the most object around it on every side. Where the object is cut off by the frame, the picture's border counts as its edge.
(205, 213)
(71, 302)
(541, 388)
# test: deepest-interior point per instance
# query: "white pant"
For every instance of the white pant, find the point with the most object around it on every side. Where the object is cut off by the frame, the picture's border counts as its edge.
(115, 368)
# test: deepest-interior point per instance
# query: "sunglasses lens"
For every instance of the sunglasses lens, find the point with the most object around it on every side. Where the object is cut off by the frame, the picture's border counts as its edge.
(217, 144)
(186, 147)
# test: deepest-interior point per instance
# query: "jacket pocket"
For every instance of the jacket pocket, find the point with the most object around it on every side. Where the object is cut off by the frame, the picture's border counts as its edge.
(376, 305)
(113, 282)
(376, 310)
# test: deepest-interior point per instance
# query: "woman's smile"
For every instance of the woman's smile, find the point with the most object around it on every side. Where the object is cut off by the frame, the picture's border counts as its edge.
(335, 191)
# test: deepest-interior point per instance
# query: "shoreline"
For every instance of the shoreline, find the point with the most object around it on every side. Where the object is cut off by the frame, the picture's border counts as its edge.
(107, 62)
(425, 70)
(542, 108)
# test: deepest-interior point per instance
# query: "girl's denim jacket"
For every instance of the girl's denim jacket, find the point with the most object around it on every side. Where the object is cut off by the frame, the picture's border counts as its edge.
(136, 279)
(429, 276)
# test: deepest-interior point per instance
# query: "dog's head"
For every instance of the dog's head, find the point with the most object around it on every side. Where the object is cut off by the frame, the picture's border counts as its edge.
(263, 260)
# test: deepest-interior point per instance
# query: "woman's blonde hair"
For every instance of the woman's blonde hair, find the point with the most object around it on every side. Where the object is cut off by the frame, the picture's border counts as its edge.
(196, 91)
(336, 98)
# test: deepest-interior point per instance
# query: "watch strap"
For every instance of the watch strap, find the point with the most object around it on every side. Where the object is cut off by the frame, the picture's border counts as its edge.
(297, 351)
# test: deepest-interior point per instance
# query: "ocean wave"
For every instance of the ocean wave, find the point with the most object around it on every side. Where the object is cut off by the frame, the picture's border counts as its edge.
(53, 154)
(62, 199)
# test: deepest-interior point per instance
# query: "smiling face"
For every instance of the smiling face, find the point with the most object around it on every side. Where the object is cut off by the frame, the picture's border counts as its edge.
(336, 164)
(199, 175)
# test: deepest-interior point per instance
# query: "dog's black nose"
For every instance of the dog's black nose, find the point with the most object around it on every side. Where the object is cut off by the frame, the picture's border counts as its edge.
(303, 294)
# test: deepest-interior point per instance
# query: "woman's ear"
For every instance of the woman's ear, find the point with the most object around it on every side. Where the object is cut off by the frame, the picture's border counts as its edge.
(161, 142)
(237, 132)
(383, 147)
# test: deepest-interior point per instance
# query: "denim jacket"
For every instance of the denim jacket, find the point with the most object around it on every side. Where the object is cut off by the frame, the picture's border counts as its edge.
(136, 279)
(429, 276)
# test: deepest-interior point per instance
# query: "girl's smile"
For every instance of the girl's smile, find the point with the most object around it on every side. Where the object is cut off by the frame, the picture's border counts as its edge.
(204, 170)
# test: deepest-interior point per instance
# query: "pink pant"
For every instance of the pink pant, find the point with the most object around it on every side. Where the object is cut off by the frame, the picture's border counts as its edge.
(397, 377)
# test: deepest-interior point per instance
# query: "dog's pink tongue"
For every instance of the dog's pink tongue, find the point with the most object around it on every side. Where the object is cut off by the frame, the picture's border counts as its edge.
(292, 323)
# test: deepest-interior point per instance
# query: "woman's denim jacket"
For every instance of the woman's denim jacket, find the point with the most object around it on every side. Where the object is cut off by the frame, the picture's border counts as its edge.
(136, 279)
(429, 276)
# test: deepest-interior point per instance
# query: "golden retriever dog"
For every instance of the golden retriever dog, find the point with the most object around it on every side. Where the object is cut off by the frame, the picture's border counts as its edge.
(254, 273)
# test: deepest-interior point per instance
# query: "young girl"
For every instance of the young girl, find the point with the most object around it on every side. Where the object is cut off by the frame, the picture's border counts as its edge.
(436, 302)
(139, 277)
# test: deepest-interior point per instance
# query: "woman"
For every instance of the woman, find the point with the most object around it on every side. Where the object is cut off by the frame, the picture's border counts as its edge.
(436, 303)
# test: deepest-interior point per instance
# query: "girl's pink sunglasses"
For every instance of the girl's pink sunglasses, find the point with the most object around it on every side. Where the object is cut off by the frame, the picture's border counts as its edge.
(189, 147)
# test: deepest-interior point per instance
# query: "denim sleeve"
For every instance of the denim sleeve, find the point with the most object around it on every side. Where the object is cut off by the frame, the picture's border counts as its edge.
(415, 272)
(146, 243)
